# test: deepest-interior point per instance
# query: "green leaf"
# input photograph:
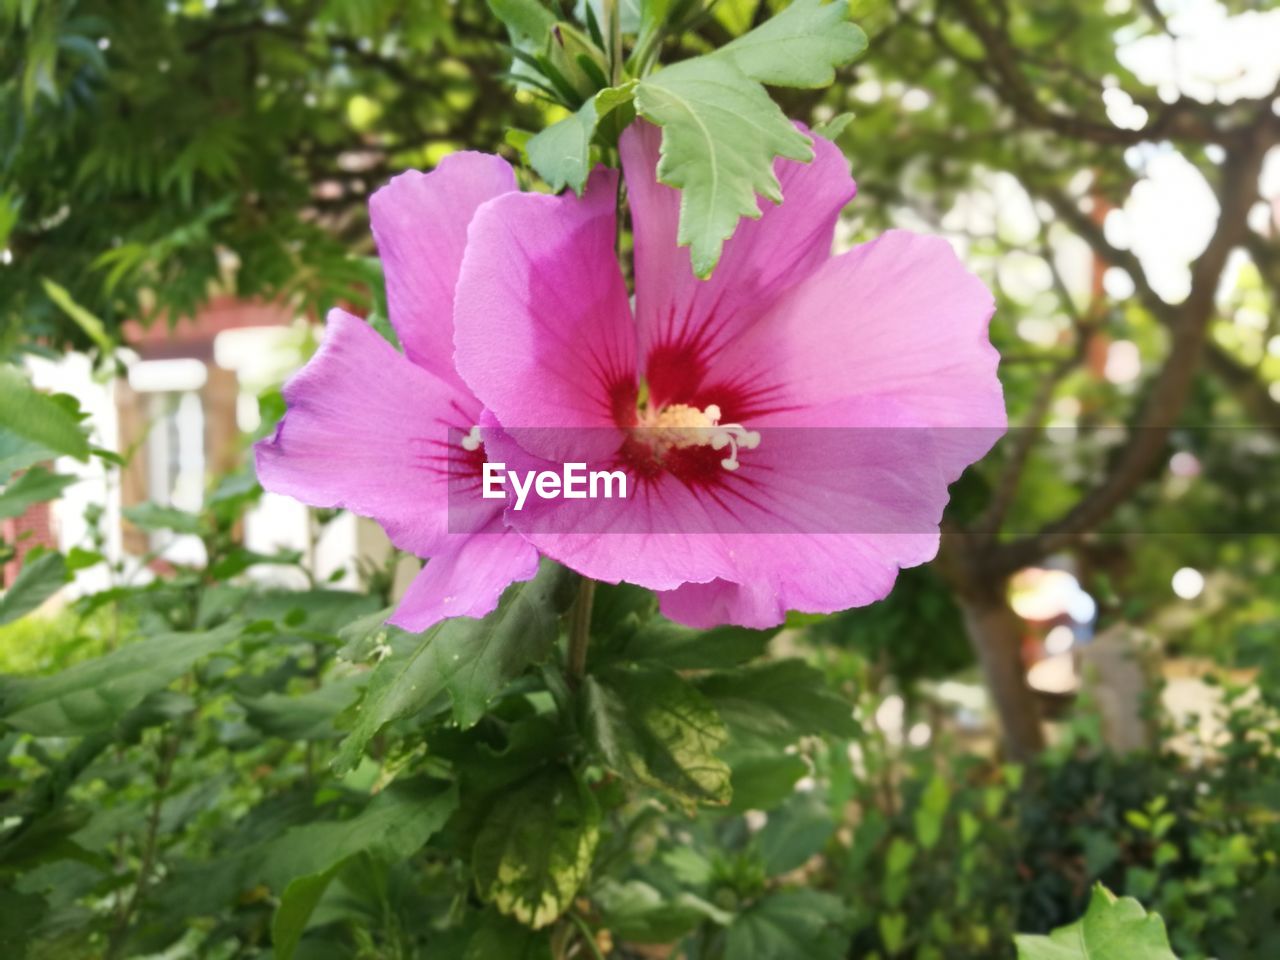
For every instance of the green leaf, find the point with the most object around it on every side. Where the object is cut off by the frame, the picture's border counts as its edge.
(305, 716)
(152, 516)
(18, 453)
(39, 418)
(34, 486)
(473, 660)
(1111, 929)
(524, 18)
(790, 924)
(93, 695)
(654, 728)
(301, 863)
(721, 134)
(831, 129)
(794, 833)
(777, 703)
(799, 47)
(535, 847)
(929, 815)
(20, 914)
(561, 154)
(762, 780)
(637, 913)
(39, 579)
(83, 319)
(297, 903)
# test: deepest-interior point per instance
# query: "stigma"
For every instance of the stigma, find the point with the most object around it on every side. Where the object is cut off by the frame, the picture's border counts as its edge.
(680, 425)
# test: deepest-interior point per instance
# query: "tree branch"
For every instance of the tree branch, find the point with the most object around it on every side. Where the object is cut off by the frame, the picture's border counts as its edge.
(1170, 389)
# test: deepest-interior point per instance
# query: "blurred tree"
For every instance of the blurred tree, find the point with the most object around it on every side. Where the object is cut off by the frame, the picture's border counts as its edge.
(151, 150)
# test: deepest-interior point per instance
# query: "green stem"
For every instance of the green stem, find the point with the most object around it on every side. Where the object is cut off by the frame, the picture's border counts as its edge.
(587, 935)
(580, 631)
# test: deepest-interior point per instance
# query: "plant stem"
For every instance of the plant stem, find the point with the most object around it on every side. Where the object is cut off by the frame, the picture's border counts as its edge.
(587, 936)
(580, 630)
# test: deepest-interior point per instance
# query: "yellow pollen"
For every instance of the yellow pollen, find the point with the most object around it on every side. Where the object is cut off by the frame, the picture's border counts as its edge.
(680, 425)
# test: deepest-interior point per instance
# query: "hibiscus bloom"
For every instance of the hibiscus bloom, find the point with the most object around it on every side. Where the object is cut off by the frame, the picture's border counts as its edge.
(789, 427)
(378, 432)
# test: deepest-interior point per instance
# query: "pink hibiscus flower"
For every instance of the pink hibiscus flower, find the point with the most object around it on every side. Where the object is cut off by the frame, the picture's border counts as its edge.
(378, 432)
(788, 428)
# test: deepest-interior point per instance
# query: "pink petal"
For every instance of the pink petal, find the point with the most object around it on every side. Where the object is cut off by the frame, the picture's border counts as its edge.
(367, 430)
(684, 322)
(898, 319)
(706, 605)
(544, 331)
(420, 224)
(466, 579)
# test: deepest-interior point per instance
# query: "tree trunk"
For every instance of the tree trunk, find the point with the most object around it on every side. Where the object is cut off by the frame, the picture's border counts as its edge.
(996, 634)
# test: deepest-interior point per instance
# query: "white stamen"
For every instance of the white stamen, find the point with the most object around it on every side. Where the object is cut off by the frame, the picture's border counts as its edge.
(472, 440)
(683, 426)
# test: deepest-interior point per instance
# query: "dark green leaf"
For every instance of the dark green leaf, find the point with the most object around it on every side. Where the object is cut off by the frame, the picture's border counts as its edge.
(395, 825)
(778, 702)
(790, 924)
(794, 833)
(638, 913)
(471, 659)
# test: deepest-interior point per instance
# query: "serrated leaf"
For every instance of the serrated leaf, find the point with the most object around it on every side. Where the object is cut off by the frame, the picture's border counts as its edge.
(93, 695)
(561, 154)
(39, 418)
(654, 728)
(37, 581)
(721, 135)
(535, 847)
(1111, 929)
(799, 47)
(778, 702)
(473, 660)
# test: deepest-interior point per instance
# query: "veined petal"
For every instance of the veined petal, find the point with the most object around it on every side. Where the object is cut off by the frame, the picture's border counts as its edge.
(544, 331)
(466, 578)
(369, 431)
(684, 322)
(420, 225)
(898, 319)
